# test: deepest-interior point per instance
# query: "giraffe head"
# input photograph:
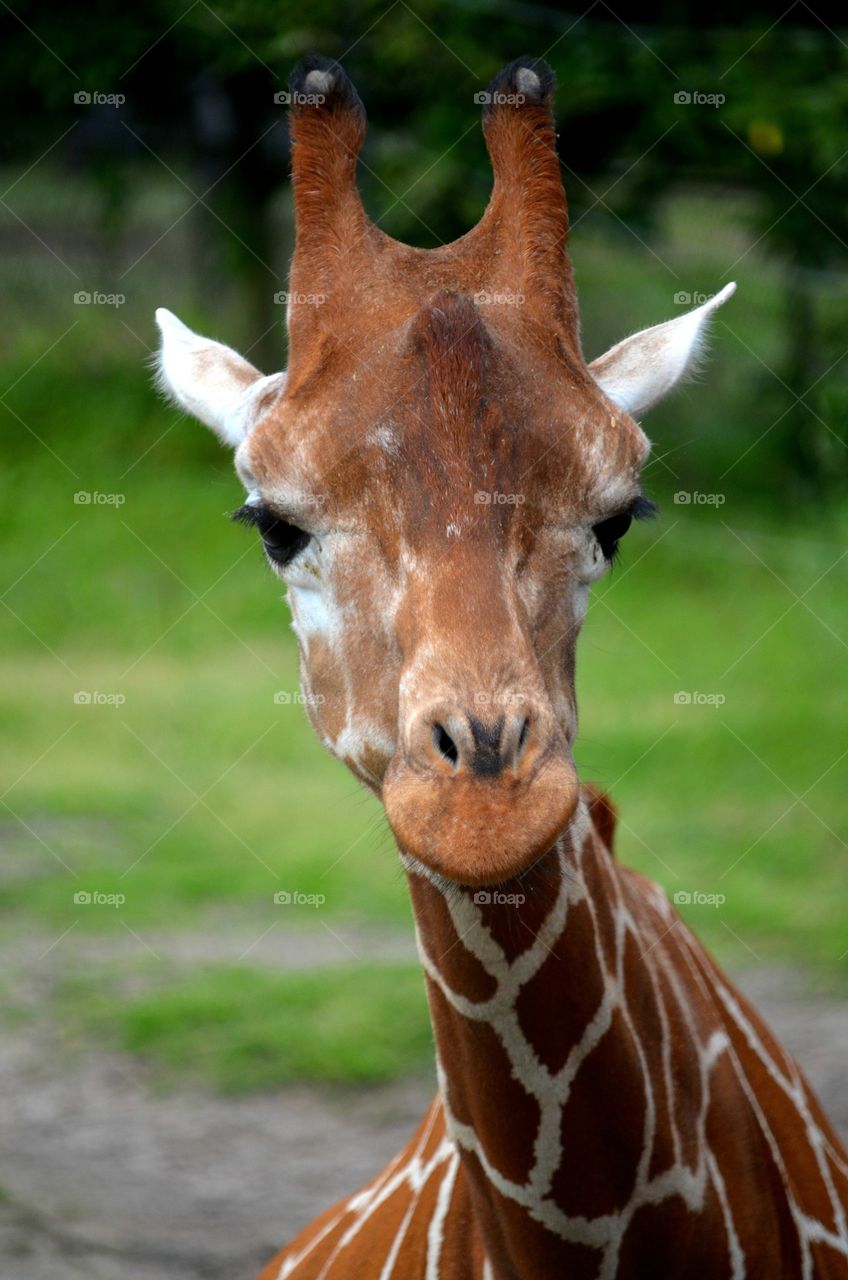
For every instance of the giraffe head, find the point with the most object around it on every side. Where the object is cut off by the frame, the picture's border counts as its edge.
(438, 478)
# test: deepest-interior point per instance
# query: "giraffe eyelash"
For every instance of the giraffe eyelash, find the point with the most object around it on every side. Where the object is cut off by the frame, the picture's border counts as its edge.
(643, 509)
(253, 515)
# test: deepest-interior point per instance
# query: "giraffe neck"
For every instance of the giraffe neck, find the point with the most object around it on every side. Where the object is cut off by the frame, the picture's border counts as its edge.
(610, 1108)
(544, 1013)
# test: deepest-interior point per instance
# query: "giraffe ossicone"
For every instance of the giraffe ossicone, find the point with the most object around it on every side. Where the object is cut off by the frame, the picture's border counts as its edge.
(438, 478)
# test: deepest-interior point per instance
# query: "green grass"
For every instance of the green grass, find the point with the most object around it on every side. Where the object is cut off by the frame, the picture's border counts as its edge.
(199, 796)
(746, 798)
(241, 1029)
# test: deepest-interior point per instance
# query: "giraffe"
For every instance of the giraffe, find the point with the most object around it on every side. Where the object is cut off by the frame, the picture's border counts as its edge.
(438, 478)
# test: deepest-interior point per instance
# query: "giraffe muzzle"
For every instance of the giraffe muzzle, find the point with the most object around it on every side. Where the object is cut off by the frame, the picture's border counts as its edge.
(480, 800)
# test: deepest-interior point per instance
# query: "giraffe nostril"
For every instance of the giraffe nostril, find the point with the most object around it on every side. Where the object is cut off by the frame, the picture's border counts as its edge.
(522, 738)
(445, 744)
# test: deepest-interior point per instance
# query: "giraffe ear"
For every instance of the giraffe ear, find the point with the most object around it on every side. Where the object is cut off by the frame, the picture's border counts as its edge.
(210, 381)
(639, 371)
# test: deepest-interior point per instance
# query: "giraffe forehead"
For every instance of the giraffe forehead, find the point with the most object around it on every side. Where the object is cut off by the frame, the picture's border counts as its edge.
(408, 480)
(447, 421)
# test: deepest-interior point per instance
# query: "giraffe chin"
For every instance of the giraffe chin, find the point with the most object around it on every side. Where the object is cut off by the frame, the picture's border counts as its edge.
(480, 832)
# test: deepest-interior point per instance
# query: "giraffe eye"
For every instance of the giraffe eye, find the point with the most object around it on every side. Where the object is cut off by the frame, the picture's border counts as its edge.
(610, 532)
(281, 539)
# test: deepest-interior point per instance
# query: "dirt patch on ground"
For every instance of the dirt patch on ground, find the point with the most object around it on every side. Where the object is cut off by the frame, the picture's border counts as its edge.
(107, 1178)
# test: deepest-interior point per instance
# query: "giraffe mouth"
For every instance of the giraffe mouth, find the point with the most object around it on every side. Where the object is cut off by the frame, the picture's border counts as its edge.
(480, 831)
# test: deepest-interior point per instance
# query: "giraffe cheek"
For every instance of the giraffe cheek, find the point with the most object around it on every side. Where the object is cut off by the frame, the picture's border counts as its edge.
(325, 694)
(313, 614)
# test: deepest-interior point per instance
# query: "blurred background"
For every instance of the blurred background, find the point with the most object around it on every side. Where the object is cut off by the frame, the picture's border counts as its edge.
(201, 910)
